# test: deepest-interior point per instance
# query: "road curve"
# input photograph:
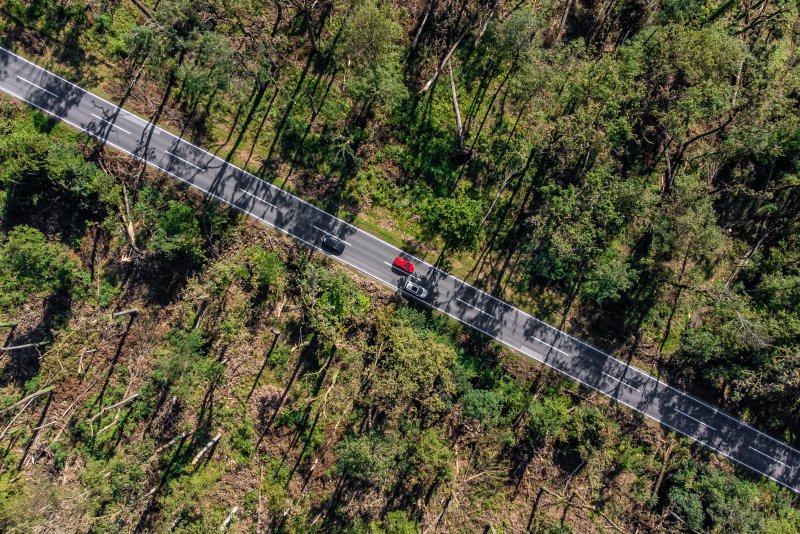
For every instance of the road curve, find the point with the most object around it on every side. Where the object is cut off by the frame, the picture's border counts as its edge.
(364, 252)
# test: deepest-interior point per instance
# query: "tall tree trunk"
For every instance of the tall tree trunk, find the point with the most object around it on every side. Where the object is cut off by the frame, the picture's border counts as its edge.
(428, 11)
(675, 300)
(459, 125)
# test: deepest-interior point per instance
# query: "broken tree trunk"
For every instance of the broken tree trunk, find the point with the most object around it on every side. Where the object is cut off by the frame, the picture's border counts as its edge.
(12, 324)
(207, 446)
(132, 311)
(664, 466)
(25, 346)
(123, 402)
(143, 9)
(275, 335)
(450, 52)
(3, 434)
(127, 220)
(29, 397)
(201, 310)
(442, 63)
(583, 505)
(422, 24)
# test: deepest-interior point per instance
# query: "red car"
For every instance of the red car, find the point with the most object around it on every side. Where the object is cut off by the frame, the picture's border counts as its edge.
(403, 264)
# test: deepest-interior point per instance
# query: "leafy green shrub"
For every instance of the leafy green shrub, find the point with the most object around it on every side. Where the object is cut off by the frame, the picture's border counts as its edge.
(547, 418)
(30, 265)
(60, 454)
(482, 405)
(178, 235)
(126, 480)
(267, 271)
(369, 458)
(430, 458)
(396, 522)
(714, 498)
(241, 438)
(370, 49)
(184, 366)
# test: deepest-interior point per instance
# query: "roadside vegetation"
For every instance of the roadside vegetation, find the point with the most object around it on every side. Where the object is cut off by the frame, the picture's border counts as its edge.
(248, 380)
(625, 171)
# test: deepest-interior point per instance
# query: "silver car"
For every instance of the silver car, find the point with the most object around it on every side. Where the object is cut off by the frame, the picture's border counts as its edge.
(412, 286)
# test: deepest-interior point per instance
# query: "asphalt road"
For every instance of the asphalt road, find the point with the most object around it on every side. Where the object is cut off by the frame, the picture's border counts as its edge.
(364, 252)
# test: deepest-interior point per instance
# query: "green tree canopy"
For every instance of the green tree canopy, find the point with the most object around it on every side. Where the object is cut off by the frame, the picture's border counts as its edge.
(369, 50)
(415, 378)
(456, 219)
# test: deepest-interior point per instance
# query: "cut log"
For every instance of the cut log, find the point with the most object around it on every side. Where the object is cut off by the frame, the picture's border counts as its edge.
(207, 446)
(132, 311)
(12, 324)
(224, 525)
(171, 442)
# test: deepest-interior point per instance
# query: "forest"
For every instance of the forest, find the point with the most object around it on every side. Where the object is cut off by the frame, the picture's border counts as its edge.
(626, 170)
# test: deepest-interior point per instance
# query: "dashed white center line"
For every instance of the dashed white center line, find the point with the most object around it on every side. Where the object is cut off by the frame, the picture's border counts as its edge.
(549, 345)
(257, 198)
(330, 234)
(192, 164)
(38, 86)
(767, 455)
(475, 308)
(695, 419)
(622, 382)
(111, 123)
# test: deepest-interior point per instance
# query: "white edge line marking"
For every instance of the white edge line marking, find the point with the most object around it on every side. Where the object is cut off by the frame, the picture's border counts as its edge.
(475, 308)
(187, 162)
(518, 349)
(621, 381)
(647, 375)
(37, 86)
(111, 123)
(695, 419)
(549, 345)
(767, 455)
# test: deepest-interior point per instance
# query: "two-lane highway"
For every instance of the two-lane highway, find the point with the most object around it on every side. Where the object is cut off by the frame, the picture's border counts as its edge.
(370, 255)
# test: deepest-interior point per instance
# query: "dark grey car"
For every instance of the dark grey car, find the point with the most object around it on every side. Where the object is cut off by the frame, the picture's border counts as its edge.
(336, 245)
